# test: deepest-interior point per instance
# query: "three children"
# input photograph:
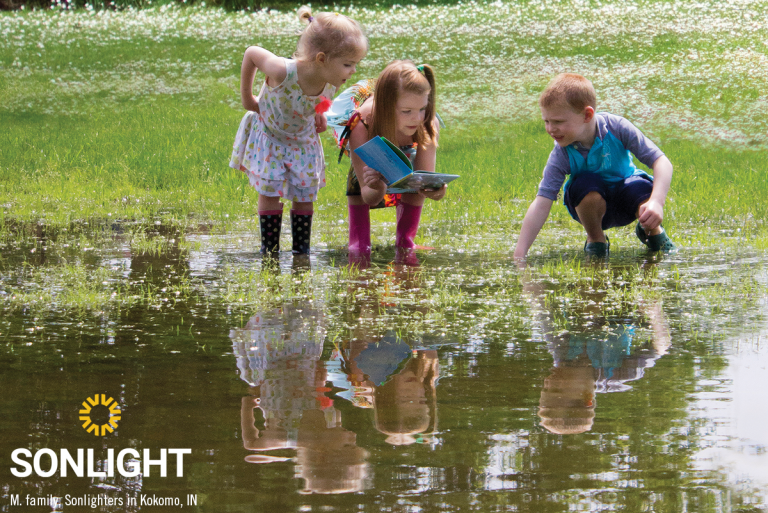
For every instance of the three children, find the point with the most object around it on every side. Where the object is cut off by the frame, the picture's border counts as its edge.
(278, 146)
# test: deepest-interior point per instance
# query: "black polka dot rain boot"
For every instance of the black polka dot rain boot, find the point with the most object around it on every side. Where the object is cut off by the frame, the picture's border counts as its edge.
(270, 222)
(301, 229)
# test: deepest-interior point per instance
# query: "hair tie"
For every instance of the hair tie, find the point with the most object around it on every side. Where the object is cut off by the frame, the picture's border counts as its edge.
(311, 18)
(420, 67)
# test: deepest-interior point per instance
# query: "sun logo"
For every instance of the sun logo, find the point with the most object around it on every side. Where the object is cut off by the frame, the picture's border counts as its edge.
(112, 417)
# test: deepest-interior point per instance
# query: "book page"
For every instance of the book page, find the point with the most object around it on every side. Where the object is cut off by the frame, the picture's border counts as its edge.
(377, 155)
(421, 180)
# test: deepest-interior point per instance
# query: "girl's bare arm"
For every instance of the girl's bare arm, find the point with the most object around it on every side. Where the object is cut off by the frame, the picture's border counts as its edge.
(372, 186)
(257, 58)
(426, 157)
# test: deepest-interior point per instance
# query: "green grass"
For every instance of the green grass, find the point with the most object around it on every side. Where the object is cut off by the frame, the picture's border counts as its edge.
(131, 114)
(128, 117)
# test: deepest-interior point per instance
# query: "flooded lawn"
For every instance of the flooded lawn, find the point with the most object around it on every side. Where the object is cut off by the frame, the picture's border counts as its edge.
(441, 381)
(446, 380)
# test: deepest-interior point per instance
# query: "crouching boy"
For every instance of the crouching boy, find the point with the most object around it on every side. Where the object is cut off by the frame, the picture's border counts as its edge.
(605, 189)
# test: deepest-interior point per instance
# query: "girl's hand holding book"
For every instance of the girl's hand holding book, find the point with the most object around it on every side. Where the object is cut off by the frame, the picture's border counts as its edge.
(434, 194)
(374, 180)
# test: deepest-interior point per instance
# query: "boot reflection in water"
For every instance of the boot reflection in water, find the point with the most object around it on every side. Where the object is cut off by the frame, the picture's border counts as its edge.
(301, 264)
(406, 257)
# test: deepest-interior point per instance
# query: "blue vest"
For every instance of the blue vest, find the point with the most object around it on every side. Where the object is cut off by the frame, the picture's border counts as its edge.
(607, 157)
(606, 353)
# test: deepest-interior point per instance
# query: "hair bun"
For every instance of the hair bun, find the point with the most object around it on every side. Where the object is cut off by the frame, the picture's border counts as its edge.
(305, 14)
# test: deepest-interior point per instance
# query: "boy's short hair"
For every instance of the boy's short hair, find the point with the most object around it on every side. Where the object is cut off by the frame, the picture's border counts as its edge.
(569, 88)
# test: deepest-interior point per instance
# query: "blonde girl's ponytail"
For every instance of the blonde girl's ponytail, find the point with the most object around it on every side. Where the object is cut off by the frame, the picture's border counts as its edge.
(305, 14)
(330, 33)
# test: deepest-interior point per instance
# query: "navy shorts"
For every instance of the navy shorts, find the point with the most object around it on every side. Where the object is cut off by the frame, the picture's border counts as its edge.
(622, 199)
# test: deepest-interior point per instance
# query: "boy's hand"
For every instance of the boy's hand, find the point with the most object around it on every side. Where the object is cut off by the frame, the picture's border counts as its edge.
(533, 221)
(434, 194)
(321, 123)
(650, 215)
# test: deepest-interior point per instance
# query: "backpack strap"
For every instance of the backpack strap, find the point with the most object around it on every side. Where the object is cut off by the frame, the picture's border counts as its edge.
(347, 132)
(343, 115)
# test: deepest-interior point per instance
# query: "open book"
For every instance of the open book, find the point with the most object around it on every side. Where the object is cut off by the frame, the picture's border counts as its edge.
(387, 159)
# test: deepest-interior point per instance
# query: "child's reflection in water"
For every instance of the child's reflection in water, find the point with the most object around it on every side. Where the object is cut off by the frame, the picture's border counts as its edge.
(278, 355)
(398, 383)
(598, 357)
(381, 371)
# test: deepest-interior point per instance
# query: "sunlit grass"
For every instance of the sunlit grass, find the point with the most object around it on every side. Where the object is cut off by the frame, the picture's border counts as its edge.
(127, 118)
(131, 114)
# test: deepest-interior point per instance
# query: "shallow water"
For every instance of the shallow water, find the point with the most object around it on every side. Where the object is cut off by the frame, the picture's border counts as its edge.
(441, 381)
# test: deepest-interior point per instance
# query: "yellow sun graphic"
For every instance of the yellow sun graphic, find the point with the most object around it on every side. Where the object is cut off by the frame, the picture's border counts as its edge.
(114, 415)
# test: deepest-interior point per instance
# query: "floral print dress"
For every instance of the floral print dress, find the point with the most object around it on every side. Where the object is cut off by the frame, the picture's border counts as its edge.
(278, 147)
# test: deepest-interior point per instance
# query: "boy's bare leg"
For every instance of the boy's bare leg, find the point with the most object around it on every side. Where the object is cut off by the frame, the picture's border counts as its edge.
(591, 211)
(653, 232)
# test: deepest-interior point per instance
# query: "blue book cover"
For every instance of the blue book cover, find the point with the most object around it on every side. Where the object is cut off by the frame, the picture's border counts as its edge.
(386, 158)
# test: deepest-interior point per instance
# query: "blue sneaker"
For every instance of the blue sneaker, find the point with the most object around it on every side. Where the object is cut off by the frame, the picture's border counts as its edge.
(660, 242)
(598, 249)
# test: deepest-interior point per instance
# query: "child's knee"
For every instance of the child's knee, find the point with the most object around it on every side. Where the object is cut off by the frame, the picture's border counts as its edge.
(593, 200)
(269, 202)
(305, 206)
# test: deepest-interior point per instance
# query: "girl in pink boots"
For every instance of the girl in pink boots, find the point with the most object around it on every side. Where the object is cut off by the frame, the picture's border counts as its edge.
(399, 106)
(277, 144)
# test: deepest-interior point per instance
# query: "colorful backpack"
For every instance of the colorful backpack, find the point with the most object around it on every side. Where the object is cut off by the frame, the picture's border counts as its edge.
(343, 115)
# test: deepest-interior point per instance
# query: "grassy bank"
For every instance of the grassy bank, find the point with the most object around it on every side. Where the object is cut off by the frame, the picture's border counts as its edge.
(130, 115)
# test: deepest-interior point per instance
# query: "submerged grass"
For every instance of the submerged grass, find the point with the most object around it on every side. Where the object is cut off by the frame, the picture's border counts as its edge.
(71, 288)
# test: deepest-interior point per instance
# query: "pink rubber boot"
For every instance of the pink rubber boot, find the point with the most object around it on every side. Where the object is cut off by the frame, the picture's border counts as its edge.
(359, 228)
(359, 235)
(408, 217)
(406, 256)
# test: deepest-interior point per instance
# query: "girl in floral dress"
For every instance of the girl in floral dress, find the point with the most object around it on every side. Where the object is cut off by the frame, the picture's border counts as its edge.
(277, 144)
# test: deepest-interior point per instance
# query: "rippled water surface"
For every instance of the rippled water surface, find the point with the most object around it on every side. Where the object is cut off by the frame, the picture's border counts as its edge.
(435, 381)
